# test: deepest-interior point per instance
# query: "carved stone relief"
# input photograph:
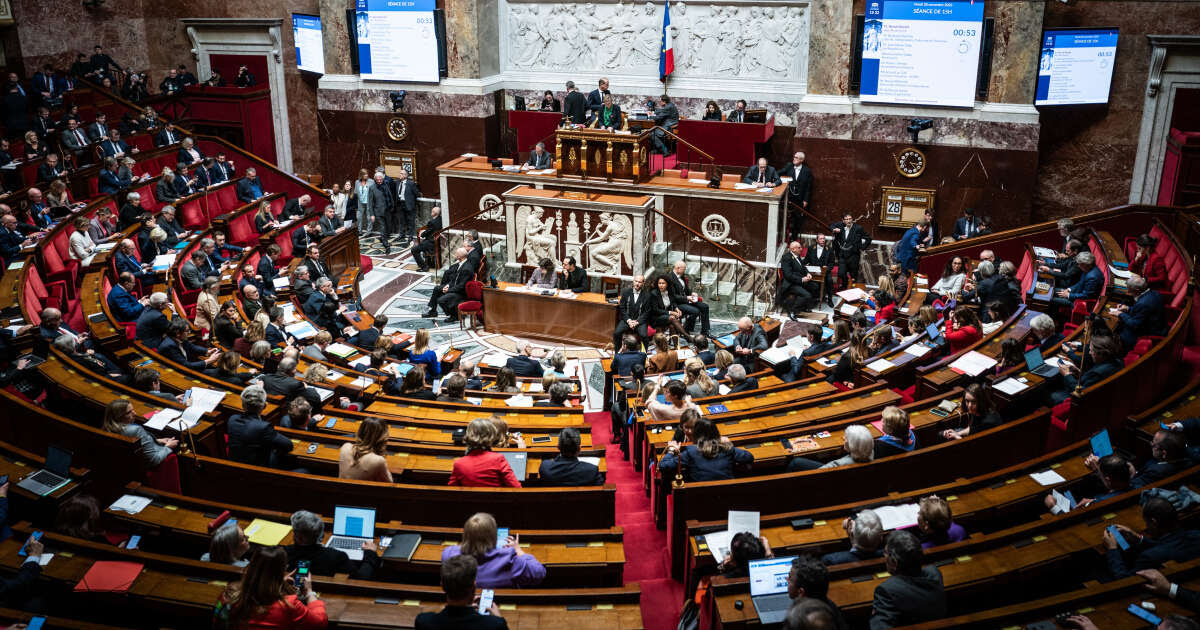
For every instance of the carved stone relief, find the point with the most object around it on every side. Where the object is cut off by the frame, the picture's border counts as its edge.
(737, 41)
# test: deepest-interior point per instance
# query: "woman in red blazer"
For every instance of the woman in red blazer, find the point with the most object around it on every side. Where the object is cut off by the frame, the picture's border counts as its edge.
(1149, 265)
(480, 467)
(265, 597)
(963, 329)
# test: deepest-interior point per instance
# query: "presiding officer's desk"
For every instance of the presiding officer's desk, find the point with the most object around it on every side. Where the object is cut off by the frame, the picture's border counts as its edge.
(586, 318)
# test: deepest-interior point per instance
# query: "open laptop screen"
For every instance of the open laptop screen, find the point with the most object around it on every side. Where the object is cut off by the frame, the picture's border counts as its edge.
(354, 522)
(1033, 358)
(768, 577)
(58, 461)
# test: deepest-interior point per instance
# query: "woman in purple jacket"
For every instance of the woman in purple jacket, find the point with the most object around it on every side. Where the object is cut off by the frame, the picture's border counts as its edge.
(502, 564)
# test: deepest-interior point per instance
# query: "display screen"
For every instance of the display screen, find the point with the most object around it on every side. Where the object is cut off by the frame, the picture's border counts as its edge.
(921, 52)
(310, 50)
(1076, 66)
(396, 40)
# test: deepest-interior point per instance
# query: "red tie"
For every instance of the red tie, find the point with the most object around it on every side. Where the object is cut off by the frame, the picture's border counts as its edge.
(79, 137)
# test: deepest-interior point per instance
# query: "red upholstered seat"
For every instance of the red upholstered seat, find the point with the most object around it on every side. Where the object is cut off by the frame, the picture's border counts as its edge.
(365, 264)
(225, 197)
(191, 214)
(473, 305)
(241, 230)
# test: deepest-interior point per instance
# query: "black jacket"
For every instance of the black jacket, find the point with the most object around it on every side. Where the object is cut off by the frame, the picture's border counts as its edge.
(850, 243)
(800, 188)
(770, 176)
(569, 471)
(1180, 545)
(826, 259)
(902, 600)
(288, 387)
(623, 362)
(459, 618)
(253, 440)
(792, 272)
(328, 561)
(525, 366)
(628, 309)
(575, 107)
(576, 281)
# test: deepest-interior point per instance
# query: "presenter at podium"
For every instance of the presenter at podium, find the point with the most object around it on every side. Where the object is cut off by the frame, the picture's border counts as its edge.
(762, 175)
(609, 117)
(539, 158)
(666, 115)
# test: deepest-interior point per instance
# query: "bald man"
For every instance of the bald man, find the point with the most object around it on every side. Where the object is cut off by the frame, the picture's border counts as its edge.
(453, 288)
(631, 312)
(799, 191)
(748, 343)
(794, 294)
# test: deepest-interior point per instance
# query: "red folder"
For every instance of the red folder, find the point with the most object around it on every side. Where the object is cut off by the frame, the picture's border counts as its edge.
(110, 577)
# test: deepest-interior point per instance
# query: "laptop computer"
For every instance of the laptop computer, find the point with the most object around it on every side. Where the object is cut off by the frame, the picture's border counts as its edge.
(352, 526)
(55, 475)
(516, 461)
(769, 588)
(1036, 364)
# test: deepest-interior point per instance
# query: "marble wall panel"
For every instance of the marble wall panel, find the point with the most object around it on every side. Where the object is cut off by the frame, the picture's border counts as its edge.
(53, 31)
(334, 35)
(829, 49)
(1015, 49)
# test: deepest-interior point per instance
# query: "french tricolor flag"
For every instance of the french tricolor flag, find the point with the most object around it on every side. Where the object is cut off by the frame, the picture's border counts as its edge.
(666, 59)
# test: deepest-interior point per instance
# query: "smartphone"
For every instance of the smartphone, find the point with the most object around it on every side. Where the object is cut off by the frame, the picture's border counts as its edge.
(485, 601)
(1121, 542)
(541, 439)
(330, 422)
(1165, 426)
(36, 623)
(1139, 612)
(501, 537)
(3, 479)
(133, 542)
(37, 535)
(300, 575)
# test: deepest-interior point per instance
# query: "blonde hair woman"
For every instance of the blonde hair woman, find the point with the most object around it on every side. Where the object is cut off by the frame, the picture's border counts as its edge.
(207, 305)
(699, 383)
(264, 220)
(366, 457)
(480, 467)
(422, 354)
(723, 360)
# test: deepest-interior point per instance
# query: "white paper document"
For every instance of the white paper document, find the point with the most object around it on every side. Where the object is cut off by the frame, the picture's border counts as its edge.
(847, 309)
(1062, 504)
(595, 461)
(880, 365)
(282, 282)
(718, 544)
(519, 400)
(743, 522)
(776, 354)
(917, 350)
(898, 516)
(852, 295)
(206, 399)
(325, 394)
(1010, 386)
(1047, 477)
(130, 504)
(159, 421)
(363, 382)
(301, 330)
(973, 363)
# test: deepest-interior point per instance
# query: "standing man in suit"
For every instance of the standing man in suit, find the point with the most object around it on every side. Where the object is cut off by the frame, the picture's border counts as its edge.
(524, 364)
(849, 241)
(967, 225)
(631, 313)
(762, 175)
(799, 191)
(406, 207)
(821, 255)
(266, 269)
(574, 105)
(914, 593)
(566, 469)
(748, 343)
(738, 113)
(687, 301)
(422, 250)
(794, 282)
(453, 288)
(595, 98)
(539, 158)
(666, 115)
(381, 198)
(1147, 316)
(574, 278)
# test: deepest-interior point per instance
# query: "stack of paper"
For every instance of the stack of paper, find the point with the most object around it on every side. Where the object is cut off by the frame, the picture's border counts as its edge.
(301, 330)
(130, 504)
(776, 354)
(206, 399)
(1010, 386)
(282, 282)
(848, 309)
(340, 350)
(852, 295)
(741, 186)
(163, 262)
(973, 363)
(898, 516)
(159, 421)
(917, 350)
(1048, 478)
(880, 365)
(363, 382)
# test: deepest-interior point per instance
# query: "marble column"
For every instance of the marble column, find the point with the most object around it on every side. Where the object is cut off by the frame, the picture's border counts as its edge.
(1017, 43)
(829, 46)
(333, 35)
(472, 39)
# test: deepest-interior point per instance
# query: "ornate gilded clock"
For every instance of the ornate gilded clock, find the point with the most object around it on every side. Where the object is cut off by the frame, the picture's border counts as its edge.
(397, 129)
(911, 162)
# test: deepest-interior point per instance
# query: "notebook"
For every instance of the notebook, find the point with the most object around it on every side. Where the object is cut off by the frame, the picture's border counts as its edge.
(403, 546)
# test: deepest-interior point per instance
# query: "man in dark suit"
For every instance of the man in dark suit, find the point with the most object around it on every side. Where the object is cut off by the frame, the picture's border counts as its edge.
(821, 255)
(967, 225)
(566, 469)
(575, 105)
(629, 356)
(666, 115)
(249, 188)
(322, 307)
(1064, 270)
(152, 323)
(125, 306)
(1044, 335)
(816, 342)
(381, 198)
(574, 278)
(178, 348)
(687, 301)
(849, 241)
(799, 190)
(539, 158)
(284, 383)
(11, 239)
(126, 260)
(1164, 540)
(167, 221)
(50, 169)
(762, 175)
(253, 440)
(193, 278)
(914, 593)
(74, 139)
(42, 125)
(738, 113)
(1091, 282)
(405, 217)
(222, 170)
(748, 343)
(367, 338)
(1147, 316)
(523, 364)
(21, 587)
(474, 248)
(426, 240)
(794, 282)
(631, 313)
(266, 268)
(169, 135)
(328, 224)
(297, 207)
(460, 613)
(312, 260)
(275, 332)
(707, 356)
(559, 392)
(738, 381)
(204, 174)
(98, 130)
(595, 98)
(108, 182)
(306, 236)
(114, 146)
(453, 288)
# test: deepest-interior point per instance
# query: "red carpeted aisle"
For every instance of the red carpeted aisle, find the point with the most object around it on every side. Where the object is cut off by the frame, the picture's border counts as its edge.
(646, 560)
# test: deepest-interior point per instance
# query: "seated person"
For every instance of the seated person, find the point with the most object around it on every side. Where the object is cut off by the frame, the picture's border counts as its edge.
(121, 418)
(566, 469)
(366, 457)
(574, 278)
(178, 348)
(1105, 361)
(882, 341)
(453, 389)
(953, 275)
(762, 175)
(1114, 473)
(914, 593)
(1063, 269)
(152, 324)
(1091, 282)
(308, 535)
(711, 458)
(283, 382)
(539, 158)
(664, 358)
(898, 437)
(1149, 265)
(700, 345)
(252, 440)
(458, 577)
(856, 441)
(506, 382)
(121, 301)
(299, 415)
(481, 467)
(866, 539)
(469, 371)
(738, 381)
(963, 329)
(1164, 539)
(696, 378)
(808, 586)
(744, 548)
(559, 392)
(935, 523)
(413, 385)
(149, 380)
(978, 413)
(608, 117)
(676, 403)
(524, 364)
(1044, 334)
(629, 356)
(500, 566)
(543, 277)
(1147, 316)
(228, 545)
